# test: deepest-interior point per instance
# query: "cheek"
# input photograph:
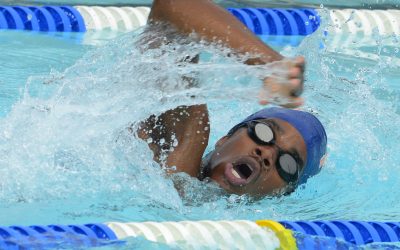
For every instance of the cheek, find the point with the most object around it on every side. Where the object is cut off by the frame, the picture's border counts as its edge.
(233, 147)
(227, 150)
(289, 139)
(269, 182)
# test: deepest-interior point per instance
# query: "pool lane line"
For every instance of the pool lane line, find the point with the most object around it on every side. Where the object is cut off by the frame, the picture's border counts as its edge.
(262, 21)
(194, 234)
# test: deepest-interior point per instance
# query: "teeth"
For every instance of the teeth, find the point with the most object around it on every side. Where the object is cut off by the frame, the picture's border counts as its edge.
(236, 174)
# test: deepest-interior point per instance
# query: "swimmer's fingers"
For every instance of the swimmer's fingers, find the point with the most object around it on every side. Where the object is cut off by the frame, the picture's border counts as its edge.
(285, 86)
(273, 92)
(262, 98)
(300, 62)
(296, 76)
(291, 88)
(294, 102)
(287, 77)
(296, 87)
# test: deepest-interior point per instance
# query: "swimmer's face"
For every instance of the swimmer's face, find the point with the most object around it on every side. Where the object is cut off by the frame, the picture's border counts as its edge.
(241, 166)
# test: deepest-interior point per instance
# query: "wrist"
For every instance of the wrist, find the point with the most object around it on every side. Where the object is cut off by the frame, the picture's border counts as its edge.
(264, 59)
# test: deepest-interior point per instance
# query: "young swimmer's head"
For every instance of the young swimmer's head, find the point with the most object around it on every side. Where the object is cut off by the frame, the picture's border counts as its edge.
(271, 151)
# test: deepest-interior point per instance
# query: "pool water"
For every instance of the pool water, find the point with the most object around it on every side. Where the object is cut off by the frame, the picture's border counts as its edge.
(67, 156)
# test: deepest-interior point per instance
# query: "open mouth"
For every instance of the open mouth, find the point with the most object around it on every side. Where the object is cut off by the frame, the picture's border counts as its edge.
(242, 171)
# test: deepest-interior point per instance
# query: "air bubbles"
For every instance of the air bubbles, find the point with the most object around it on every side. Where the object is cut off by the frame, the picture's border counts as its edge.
(175, 143)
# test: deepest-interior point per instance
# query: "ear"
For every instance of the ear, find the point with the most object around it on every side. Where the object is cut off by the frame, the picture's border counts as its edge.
(323, 160)
(221, 141)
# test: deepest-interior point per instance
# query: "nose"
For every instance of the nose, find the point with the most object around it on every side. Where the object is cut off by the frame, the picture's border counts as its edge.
(267, 154)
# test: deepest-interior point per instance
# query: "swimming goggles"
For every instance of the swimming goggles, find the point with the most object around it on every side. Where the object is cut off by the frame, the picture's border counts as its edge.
(287, 165)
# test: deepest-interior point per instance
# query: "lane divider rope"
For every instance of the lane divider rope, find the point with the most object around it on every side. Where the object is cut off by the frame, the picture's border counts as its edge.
(242, 234)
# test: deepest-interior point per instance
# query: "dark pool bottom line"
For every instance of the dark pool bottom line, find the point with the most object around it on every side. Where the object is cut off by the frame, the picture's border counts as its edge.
(290, 235)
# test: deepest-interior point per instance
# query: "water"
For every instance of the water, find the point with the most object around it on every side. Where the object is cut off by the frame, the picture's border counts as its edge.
(67, 156)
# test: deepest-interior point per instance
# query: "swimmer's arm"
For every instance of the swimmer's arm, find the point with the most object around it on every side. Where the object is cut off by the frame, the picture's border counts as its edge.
(214, 24)
(178, 137)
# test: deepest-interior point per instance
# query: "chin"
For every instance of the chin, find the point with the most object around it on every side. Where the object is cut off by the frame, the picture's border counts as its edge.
(224, 184)
(243, 190)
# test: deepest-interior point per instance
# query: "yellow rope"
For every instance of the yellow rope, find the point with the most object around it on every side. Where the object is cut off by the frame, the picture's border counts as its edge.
(285, 236)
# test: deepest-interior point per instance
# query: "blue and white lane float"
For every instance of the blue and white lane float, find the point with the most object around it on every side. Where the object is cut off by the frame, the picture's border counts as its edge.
(240, 234)
(284, 22)
(262, 21)
(275, 26)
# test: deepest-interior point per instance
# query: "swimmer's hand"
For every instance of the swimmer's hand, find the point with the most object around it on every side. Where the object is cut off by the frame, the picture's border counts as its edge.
(285, 86)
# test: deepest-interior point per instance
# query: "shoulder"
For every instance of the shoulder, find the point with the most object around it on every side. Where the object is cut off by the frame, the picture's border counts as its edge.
(178, 137)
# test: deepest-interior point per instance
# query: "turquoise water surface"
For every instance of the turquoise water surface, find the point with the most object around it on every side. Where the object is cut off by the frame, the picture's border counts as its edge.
(67, 156)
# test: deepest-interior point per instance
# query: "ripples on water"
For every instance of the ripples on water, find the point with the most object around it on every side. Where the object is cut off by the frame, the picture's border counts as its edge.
(68, 157)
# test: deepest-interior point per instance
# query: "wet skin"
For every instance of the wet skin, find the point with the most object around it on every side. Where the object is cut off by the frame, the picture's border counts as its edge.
(263, 178)
(190, 124)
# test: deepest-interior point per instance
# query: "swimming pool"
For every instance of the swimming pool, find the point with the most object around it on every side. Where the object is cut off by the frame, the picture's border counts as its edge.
(67, 158)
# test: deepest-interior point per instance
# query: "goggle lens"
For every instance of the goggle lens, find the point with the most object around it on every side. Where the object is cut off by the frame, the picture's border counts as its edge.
(263, 132)
(288, 164)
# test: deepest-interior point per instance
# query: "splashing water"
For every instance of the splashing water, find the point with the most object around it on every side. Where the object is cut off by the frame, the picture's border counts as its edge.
(67, 140)
(68, 156)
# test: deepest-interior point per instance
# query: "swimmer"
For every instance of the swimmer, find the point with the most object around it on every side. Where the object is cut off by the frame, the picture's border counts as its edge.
(270, 152)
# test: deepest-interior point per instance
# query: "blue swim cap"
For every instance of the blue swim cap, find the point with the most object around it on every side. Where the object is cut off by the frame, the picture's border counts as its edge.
(310, 129)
